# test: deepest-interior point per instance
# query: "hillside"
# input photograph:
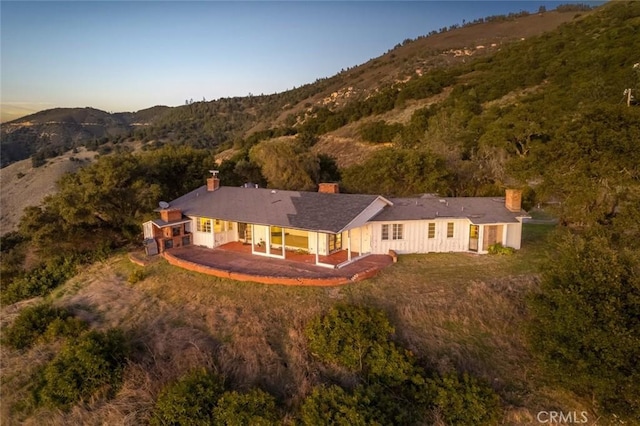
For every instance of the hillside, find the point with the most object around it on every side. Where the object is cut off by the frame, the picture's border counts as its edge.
(470, 339)
(24, 185)
(52, 132)
(254, 335)
(211, 124)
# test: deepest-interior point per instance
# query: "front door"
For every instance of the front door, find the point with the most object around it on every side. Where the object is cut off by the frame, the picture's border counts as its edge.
(244, 232)
(474, 231)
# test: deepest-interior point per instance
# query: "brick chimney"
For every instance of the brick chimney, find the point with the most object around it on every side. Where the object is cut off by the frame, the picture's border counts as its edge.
(513, 200)
(170, 215)
(213, 182)
(329, 188)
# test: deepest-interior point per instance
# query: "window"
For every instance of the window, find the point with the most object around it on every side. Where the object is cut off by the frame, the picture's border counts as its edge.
(396, 231)
(449, 229)
(168, 244)
(175, 231)
(335, 242)
(203, 225)
(431, 233)
(221, 225)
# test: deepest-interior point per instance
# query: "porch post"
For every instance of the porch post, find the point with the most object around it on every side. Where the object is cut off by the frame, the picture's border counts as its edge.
(253, 232)
(361, 232)
(349, 244)
(268, 242)
(317, 247)
(284, 256)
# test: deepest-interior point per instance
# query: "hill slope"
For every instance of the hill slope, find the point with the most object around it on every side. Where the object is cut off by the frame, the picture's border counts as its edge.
(210, 124)
(52, 132)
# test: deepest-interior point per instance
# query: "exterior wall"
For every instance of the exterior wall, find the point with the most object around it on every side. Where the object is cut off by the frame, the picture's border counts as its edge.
(147, 229)
(514, 235)
(361, 235)
(415, 233)
(201, 238)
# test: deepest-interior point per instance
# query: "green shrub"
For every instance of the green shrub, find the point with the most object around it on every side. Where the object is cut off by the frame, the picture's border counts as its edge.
(346, 335)
(386, 363)
(499, 249)
(255, 407)
(379, 131)
(35, 321)
(136, 276)
(189, 401)
(88, 366)
(39, 281)
(585, 321)
(464, 401)
(335, 406)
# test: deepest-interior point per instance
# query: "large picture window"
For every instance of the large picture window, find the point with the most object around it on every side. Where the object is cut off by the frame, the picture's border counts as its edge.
(392, 232)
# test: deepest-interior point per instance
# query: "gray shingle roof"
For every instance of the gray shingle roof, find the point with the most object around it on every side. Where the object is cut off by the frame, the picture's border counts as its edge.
(479, 210)
(313, 211)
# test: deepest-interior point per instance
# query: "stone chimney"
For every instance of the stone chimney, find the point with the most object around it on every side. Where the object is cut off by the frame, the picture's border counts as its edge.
(213, 182)
(513, 200)
(329, 188)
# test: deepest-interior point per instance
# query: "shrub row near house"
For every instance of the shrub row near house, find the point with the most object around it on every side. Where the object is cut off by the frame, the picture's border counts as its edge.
(501, 250)
(42, 321)
(392, 388)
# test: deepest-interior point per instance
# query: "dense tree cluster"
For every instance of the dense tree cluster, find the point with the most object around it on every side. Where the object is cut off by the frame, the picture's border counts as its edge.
(585, 324)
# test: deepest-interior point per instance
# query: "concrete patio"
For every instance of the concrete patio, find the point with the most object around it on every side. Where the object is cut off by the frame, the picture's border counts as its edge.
(235, 261)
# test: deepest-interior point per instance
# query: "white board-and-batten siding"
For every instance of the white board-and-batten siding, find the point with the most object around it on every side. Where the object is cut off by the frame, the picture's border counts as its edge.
(514, 235)
(204, 239)
(415, 237)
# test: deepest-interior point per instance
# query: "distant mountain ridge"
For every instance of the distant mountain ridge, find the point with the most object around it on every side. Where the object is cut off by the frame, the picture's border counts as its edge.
(54, 131)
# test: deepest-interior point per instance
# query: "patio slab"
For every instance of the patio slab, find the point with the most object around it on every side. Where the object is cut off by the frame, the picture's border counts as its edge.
(237, 265)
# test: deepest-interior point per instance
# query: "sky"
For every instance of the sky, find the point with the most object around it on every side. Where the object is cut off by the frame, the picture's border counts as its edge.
(130, 55)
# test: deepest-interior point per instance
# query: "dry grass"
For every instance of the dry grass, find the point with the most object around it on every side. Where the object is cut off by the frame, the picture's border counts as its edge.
(454, 311)
(23, 185)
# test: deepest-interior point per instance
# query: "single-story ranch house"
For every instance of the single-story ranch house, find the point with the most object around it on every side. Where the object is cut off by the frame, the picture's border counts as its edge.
(324, 222)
